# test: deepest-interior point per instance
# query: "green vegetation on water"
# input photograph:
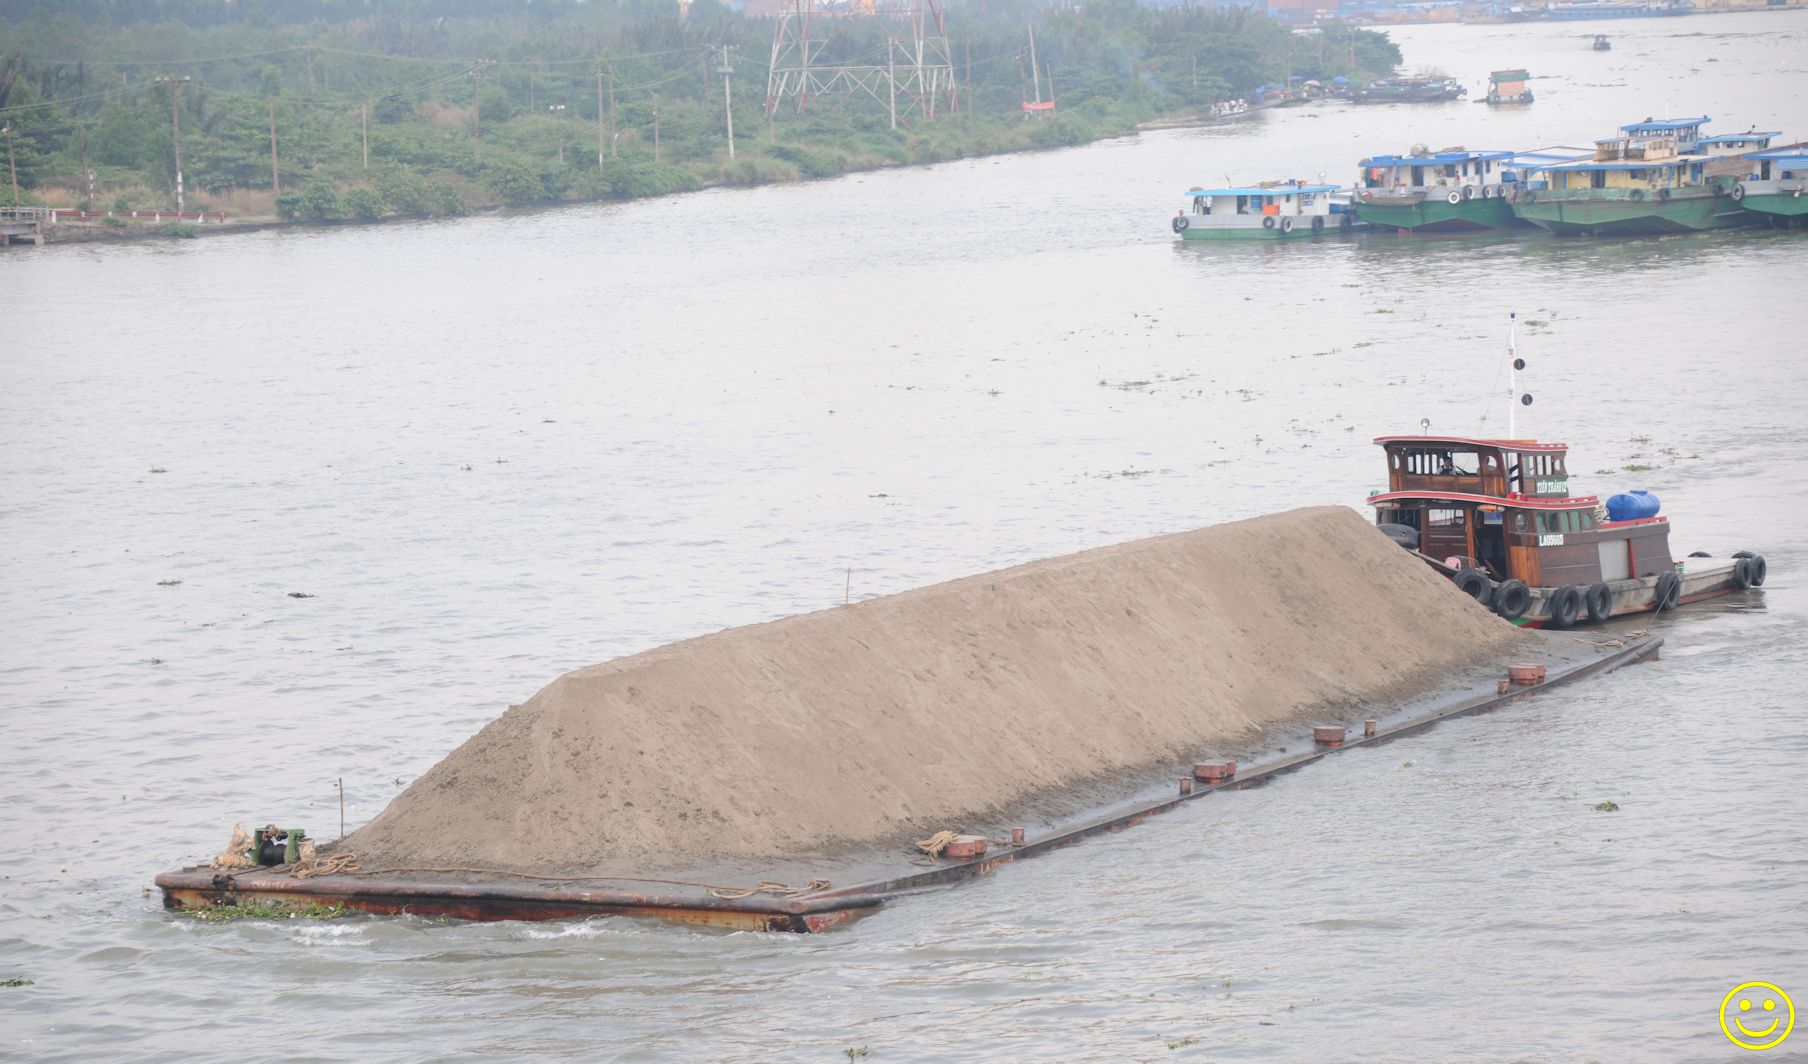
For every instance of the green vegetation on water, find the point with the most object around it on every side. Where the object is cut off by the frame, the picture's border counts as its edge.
(463, 104)
(265, 910)
(16, 982)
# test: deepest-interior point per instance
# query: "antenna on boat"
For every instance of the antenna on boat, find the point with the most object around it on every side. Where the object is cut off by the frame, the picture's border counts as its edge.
(1514, 365)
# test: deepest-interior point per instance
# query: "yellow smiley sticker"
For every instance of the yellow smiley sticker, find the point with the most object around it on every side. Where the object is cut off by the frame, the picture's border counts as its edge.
(1756, 1016)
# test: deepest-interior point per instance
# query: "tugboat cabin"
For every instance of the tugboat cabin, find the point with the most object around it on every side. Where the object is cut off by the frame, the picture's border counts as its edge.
(1504, 507)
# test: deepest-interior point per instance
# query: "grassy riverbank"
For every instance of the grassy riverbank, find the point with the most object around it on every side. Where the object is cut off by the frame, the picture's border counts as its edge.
(370, 108)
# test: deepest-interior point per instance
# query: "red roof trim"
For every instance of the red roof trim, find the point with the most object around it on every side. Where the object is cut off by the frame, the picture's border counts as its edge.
(1658, 520)
(1580, 502)
(1529, 446)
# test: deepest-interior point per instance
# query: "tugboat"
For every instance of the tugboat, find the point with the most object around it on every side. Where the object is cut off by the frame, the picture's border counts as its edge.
(1651, 178)
(1497, 517)
(1602, 44)
(1775, 190)
(1273, 210)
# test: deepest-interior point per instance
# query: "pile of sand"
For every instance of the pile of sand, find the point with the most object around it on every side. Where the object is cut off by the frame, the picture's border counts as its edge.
(887, 720)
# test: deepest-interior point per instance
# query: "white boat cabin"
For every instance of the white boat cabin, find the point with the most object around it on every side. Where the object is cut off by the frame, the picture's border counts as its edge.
(1271, 205)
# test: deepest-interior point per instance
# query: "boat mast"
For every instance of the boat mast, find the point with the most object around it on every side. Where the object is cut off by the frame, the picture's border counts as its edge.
(1512, 371)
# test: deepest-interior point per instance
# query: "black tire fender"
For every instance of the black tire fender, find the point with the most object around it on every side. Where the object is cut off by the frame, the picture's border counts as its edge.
(1599, 601)
(1268, 222)
(1512, 599)
(1180, 223)
(1286, 225)
(1318, 223)
(1668, 593)
(1565, 606)
(1742, 574)
(1759, 567)
(1474, 583)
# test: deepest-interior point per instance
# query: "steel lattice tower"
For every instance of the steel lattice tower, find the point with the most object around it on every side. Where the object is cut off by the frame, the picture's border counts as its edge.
(914, 76)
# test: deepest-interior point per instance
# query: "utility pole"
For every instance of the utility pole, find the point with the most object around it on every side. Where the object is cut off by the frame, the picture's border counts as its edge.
(557, 110)
(727, 98)
(175, 85)
(1035, 71)
(275, 174)
(891, 78)
(613, 135)
(655, 126)
(14, 170)
(476, 75)
(310, 55)
(602, 144)
(366, 116)
(87, 170)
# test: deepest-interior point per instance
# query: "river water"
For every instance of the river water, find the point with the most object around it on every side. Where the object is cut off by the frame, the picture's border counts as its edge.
(498, 448)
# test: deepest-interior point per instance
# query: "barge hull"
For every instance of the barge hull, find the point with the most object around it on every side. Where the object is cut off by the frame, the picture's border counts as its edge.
(1596, 216)
(499, 898)
(1439, 216)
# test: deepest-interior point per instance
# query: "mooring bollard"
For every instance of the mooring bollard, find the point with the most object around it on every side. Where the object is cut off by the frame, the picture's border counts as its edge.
(1525, 674)
(1505, 686)
(1327, 735)
(1368, 729)
(1209, 772)
(966, 846)
(1230, 769)
(1186, 785)
(1016, 836)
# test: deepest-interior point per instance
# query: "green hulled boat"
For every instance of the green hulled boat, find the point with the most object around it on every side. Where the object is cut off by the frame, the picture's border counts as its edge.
(1450, 191)
(1639, 183)
(1269, 211)
(1777, 190)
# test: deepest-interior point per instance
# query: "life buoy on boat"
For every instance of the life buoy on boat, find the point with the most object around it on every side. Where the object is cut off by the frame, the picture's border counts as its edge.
(1760, 568)
(1318, 223)
(1668, 593)
(1738, 192)
(1454, 198)
(1511, 599)
(1268, 222)
(1599, 601)
(1566, 606)
(1180, 223)
(1286, 225)
(1474, 583)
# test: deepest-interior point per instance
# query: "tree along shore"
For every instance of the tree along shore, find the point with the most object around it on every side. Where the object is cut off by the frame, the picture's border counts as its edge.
(375, 108)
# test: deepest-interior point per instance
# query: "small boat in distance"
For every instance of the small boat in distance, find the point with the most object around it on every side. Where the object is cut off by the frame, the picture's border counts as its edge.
(1602, 44)
(1509, 86)
(1410, 89)
(1498, 518)
(1272, 210)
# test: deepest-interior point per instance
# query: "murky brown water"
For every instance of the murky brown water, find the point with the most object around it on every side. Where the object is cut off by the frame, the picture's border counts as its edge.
(499, 448)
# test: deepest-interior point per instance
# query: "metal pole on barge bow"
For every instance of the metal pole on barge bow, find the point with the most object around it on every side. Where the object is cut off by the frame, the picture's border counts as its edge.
(1512, 370)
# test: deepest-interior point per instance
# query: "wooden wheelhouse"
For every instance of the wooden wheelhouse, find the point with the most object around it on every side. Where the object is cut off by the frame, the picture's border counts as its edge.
(1504, 506)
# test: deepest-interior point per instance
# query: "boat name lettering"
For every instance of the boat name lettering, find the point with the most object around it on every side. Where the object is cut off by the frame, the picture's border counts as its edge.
(1553, 487)
(1555, 540)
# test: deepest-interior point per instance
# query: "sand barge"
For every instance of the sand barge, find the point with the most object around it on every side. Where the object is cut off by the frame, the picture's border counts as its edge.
(860, 728)
(885, 721)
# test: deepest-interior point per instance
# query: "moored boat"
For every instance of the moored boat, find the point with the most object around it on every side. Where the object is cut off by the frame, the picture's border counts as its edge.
(1644, 181)
(1449, 191)
(1602, 44)
(1410, 89)
(1774, 190)
(1269, 211)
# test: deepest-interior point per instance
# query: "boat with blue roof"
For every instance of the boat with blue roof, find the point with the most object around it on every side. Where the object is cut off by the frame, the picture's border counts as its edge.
(1423, 191)
(1774, 186)
(1272, 210)
(1653, 177)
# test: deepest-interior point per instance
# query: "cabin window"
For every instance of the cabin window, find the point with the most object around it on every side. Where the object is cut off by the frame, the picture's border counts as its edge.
(1490, 463)
(1585, 521)
(1519, 521)
(1242, 204)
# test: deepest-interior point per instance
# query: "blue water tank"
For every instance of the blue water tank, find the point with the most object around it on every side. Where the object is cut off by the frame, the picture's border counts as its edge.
(1632, 506)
